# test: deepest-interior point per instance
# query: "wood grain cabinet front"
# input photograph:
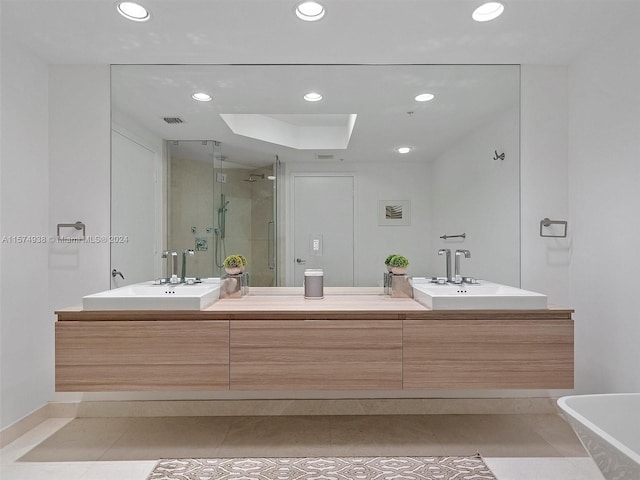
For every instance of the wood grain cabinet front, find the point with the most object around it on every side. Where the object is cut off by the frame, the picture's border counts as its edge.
(316, 355)
(294, 351)
(470, 354)
(142, 355)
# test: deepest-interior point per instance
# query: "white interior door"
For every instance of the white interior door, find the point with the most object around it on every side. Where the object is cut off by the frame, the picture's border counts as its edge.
(135, 211)
(323, 228)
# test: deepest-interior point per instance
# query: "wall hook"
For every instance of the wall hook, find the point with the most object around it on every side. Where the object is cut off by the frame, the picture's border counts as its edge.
(498, 157)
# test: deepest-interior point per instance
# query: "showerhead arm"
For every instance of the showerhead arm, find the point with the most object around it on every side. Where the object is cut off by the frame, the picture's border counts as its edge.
(253, 176)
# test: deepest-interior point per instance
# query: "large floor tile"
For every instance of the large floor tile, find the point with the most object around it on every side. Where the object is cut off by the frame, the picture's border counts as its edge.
(151, 438)
(163, 437)
(45, 471)
(383, 435)
(277, 436)
(83, 439)
(557, 432)
(119, 470)
(490, 435)
(544, 468)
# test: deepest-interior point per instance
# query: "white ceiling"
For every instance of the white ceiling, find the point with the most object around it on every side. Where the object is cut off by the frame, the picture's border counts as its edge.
(382, 96)
(353, 32)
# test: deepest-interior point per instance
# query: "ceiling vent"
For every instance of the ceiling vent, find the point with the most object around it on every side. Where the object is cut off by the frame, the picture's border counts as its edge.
(173, 120)
(324, 156)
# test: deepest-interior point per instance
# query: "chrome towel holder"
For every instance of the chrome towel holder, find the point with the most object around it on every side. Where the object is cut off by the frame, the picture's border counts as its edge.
(78, 226)
(545, 222)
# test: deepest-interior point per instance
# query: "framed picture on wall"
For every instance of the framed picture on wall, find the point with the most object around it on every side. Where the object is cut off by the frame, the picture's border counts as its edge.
(394, 212)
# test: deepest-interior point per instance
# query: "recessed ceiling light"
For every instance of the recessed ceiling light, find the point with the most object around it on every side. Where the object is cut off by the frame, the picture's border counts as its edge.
(488, 11)
(310, 11)
(133, 11)
(313, 97)
(424, 97)
(202, 97)
(403, 149)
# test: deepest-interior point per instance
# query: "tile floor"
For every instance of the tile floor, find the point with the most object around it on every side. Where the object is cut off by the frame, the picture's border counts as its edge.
(515, 447)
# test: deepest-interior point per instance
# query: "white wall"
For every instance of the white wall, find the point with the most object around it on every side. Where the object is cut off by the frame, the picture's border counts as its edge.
(382, 181)
(80, 139)
(543, 181)
(479, 196)
(604, 195)
(146, 239)
(603, 147)
(26, 328)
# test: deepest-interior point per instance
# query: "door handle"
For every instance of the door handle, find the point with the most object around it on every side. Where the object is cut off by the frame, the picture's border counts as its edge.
(300, 261)
(115, 273)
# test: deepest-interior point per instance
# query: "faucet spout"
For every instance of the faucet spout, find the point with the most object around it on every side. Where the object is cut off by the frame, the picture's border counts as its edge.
(447, 252)
(185, 252)
(467, 254)
(174, 265)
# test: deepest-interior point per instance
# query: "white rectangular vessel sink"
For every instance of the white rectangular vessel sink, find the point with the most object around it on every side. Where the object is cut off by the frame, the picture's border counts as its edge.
(481, 296)
(147, 296)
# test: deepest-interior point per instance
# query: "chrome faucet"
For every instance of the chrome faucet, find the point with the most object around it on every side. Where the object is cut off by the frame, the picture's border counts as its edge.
(446, 251)
(467, 254)
(185, 252)
(174, 265)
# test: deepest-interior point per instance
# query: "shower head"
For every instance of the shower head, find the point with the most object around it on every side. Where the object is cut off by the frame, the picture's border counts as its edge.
(253, 176)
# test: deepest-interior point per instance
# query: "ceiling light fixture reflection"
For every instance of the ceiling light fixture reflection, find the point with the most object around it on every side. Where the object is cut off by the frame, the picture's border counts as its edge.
(310, 11)
(424, 97)
(403, 149)
(487, 11)
(133, 11)
(313, 97)
(202, 97)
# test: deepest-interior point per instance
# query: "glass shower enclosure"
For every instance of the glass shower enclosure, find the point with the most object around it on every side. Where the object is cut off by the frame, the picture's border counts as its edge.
(218, 207)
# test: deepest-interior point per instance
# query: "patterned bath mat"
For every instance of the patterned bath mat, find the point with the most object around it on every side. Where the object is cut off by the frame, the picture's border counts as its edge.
(324, 468)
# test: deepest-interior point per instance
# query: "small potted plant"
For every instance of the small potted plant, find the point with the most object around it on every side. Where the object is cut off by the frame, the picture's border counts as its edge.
(233, 264)
(398, 264)
(244, 262)
(387, 261)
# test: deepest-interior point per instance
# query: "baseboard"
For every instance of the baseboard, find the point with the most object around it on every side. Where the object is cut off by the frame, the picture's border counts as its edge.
(35, 418)
(395, 406)
(22, 426)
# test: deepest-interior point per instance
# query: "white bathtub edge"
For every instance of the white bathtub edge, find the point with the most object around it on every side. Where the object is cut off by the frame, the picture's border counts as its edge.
(562, 403)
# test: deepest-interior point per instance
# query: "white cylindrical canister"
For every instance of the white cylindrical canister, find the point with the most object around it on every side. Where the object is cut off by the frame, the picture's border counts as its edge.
(313, 283)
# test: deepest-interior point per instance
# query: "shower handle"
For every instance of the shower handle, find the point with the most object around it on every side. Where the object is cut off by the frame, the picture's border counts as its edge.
(271, 260)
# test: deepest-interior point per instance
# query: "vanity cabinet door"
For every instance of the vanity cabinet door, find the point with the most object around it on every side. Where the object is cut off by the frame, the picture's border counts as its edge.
(316, 355)
(142, 355)
(468, 354)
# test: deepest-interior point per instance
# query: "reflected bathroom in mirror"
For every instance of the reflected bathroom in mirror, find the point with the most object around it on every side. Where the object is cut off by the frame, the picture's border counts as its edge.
(293, 184)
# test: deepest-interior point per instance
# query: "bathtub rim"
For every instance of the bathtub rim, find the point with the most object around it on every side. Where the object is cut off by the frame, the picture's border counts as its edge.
(562, 403)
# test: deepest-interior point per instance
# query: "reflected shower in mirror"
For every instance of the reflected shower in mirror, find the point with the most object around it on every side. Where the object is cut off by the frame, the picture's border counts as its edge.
(459, 173)
(218, 208)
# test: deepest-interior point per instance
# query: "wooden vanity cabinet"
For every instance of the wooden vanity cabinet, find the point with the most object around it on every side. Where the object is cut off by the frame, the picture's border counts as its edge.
(316, 354)
(142, 355)
(492, 353)
(315, 350)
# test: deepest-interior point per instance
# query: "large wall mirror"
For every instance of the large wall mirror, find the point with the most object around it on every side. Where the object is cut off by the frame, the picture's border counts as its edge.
(294, 184)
